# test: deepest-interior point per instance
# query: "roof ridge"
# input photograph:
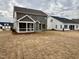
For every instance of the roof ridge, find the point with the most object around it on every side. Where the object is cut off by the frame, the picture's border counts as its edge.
(29, 11)
(26, 8)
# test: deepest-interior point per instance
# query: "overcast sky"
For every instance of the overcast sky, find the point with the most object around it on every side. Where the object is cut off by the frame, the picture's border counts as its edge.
(64, 8)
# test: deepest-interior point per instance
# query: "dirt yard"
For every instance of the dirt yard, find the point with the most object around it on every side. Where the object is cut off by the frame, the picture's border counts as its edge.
(44, 45)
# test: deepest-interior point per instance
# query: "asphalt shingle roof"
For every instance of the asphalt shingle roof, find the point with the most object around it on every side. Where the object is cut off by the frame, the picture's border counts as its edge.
(2, 23)
(29, 11)
(64, 20)
(76, 20)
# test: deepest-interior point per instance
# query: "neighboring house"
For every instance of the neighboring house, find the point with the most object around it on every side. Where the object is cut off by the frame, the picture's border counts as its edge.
(0, 26)
(58, 23)
(6, 25)
(29, 20)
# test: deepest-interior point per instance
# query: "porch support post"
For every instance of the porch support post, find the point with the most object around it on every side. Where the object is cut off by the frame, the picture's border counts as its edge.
(18, 27)
(26, 27)
(41, 27)
(38, 26)
(68, 27)
(34, 27)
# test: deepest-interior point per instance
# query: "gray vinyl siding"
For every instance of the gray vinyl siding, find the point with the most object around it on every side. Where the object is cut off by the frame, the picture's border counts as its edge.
(41, 19)
(19, 15)
(36, 16)
(26, 19)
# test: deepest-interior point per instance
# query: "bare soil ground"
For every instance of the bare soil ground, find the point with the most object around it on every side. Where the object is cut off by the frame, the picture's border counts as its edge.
(44, 45)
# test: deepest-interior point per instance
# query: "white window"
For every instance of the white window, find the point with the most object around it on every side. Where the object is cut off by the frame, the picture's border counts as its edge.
(56, 26)
(65, 26)
(60, 26)
(76, 26)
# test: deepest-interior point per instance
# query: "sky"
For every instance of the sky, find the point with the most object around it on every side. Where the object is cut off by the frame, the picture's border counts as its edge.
(62, 8)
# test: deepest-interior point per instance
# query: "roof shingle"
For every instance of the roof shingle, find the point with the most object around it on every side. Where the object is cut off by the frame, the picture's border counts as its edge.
(76, 20)
(64, 20)
(29, 11)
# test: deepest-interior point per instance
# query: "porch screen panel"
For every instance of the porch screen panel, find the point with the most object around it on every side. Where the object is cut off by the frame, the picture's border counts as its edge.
(22, 26)
(40, 26)
(30, 27)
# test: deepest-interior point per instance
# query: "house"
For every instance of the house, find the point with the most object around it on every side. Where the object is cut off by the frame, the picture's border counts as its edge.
(29, 20)
(0, 26)
(58, 23)
(6, 25)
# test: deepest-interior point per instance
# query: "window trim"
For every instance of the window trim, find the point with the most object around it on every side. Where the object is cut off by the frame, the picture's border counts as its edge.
(56, 26)
(61, 26)
(76, 26)
(65, 26)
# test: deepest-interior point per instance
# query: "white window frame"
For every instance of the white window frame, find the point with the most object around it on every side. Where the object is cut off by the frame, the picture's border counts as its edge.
(60, 26)
(65, 27)
(56, 26)
(76, 26)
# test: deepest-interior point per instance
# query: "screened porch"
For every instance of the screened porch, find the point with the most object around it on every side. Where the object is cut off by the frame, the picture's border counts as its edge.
(26, 27)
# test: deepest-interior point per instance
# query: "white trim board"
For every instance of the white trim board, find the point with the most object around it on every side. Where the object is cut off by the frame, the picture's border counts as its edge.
(25, 22)
(37, 21)
(26, 16)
